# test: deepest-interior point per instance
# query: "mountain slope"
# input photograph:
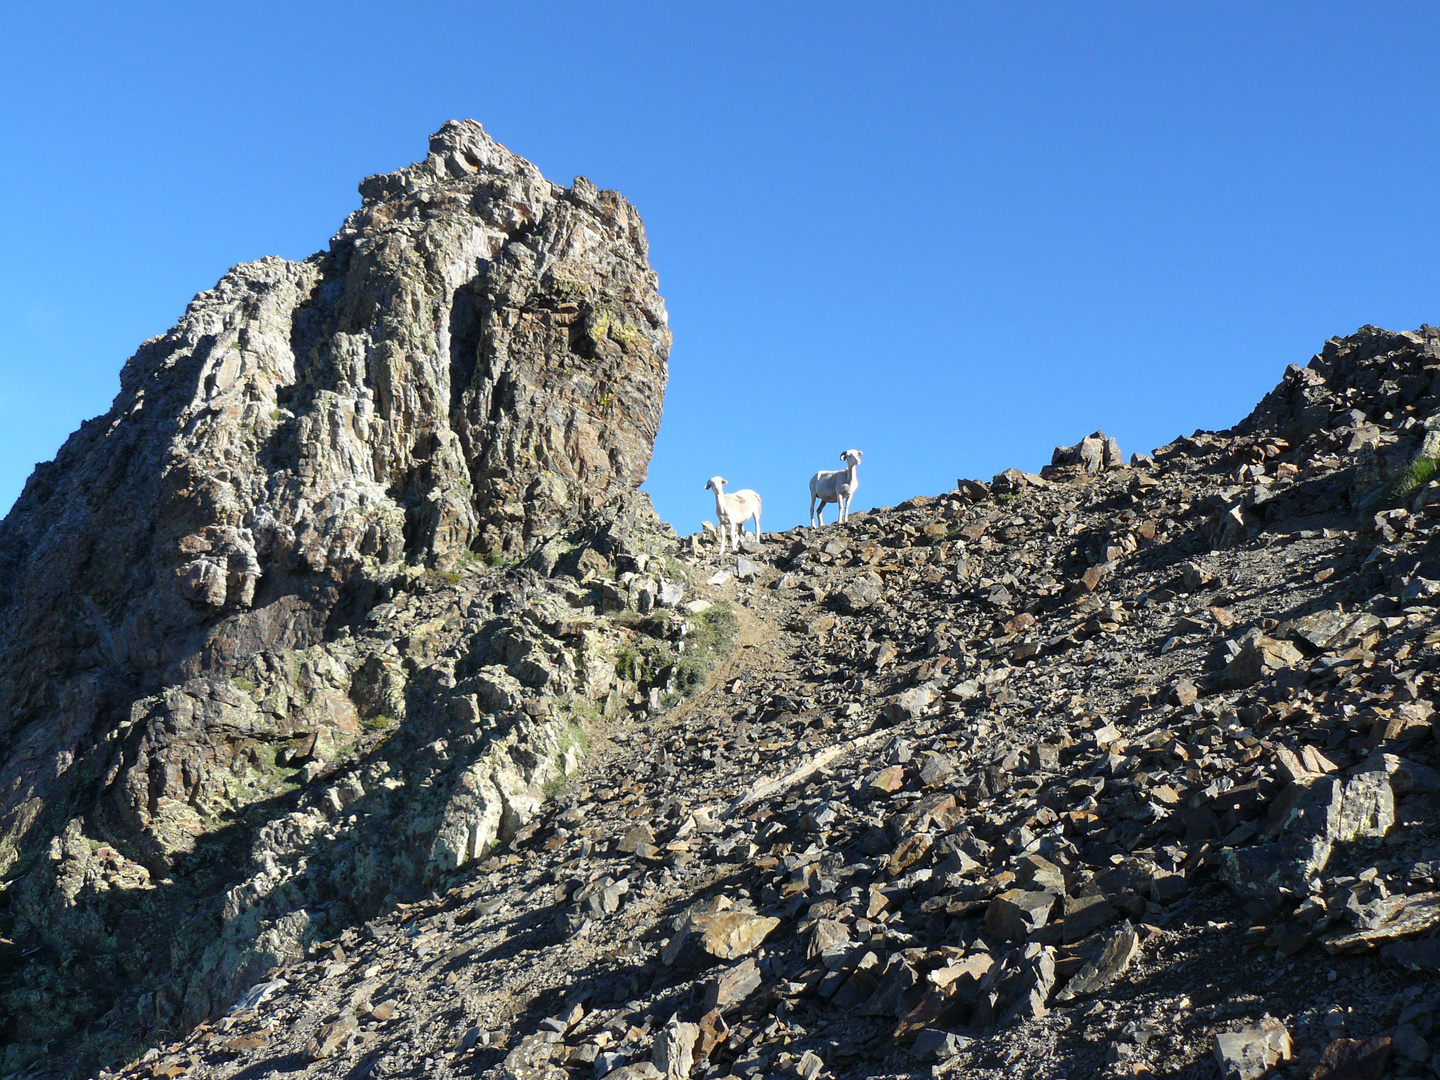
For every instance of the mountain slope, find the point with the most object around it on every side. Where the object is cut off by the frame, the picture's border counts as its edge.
(1113, 770)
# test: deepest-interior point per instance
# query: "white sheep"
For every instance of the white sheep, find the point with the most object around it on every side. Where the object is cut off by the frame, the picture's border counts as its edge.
(734, 510)
(835, 487)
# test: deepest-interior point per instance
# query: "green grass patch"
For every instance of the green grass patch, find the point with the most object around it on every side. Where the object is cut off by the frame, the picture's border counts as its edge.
(711, 639)
(574, 737)
(1410, 479)
(650, 653)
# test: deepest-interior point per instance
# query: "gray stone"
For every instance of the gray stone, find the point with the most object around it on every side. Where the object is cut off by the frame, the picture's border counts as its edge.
(1086, 914)
(932, 1044)
(1120, 948)
(674, 1052)
(898, 979)
(733, 985)
(1252, 1052)
(862, 592)
(910, 704)
(1016, 914)
(642, 1070)
(332, 1037)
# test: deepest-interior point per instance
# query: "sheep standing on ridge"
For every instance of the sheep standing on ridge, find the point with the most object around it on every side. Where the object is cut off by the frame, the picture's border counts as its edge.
(835, 487)
(733, 511)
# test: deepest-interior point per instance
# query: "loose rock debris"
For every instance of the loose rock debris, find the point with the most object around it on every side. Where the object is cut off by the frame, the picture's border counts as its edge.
(1179, 821)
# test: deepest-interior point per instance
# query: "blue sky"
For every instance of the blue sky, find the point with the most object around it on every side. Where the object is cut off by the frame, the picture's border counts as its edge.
(949, 235)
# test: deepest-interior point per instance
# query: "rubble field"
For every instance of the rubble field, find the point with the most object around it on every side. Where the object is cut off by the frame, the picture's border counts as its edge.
(1117, 769)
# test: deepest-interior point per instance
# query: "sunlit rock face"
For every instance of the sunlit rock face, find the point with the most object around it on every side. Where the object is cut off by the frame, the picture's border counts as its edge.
(476, 363)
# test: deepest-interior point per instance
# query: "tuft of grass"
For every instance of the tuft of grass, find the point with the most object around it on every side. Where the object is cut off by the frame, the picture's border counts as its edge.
(575, 737)
(650, 657)
(492, 560)
(378, 723)
(1410, 479)
(712, 638)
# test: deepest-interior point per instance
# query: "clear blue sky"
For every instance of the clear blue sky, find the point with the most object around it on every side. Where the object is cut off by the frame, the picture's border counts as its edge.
(950, 235)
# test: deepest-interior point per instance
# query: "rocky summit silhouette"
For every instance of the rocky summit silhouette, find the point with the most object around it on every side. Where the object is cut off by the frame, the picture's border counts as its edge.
(357, 751)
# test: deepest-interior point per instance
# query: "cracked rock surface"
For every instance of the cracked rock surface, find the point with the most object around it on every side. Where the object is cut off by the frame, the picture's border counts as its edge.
(266, 555)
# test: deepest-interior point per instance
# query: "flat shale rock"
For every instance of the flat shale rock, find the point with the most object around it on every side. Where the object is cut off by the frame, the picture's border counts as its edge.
(727, 935)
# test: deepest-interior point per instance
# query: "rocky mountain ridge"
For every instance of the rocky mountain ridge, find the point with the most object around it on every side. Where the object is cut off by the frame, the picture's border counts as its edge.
(365, 721)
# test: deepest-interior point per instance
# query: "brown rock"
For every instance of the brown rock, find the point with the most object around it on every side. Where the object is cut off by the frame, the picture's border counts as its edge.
(910, 851)
(726, 935)
(713, 1031)
(891, 778)
(331, 1037)
(1259, 656)
(1355, 1059)
(1185, 693)
(385, 1010)
(1019, 623)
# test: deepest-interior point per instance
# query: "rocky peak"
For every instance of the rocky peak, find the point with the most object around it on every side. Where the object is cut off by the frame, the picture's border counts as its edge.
(476, 364)
(479, 358)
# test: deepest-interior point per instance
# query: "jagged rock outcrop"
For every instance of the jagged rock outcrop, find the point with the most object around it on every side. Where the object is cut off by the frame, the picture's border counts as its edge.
(475, 367)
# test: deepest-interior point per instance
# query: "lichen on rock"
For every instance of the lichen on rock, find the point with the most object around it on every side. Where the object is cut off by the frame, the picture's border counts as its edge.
(283, 550)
